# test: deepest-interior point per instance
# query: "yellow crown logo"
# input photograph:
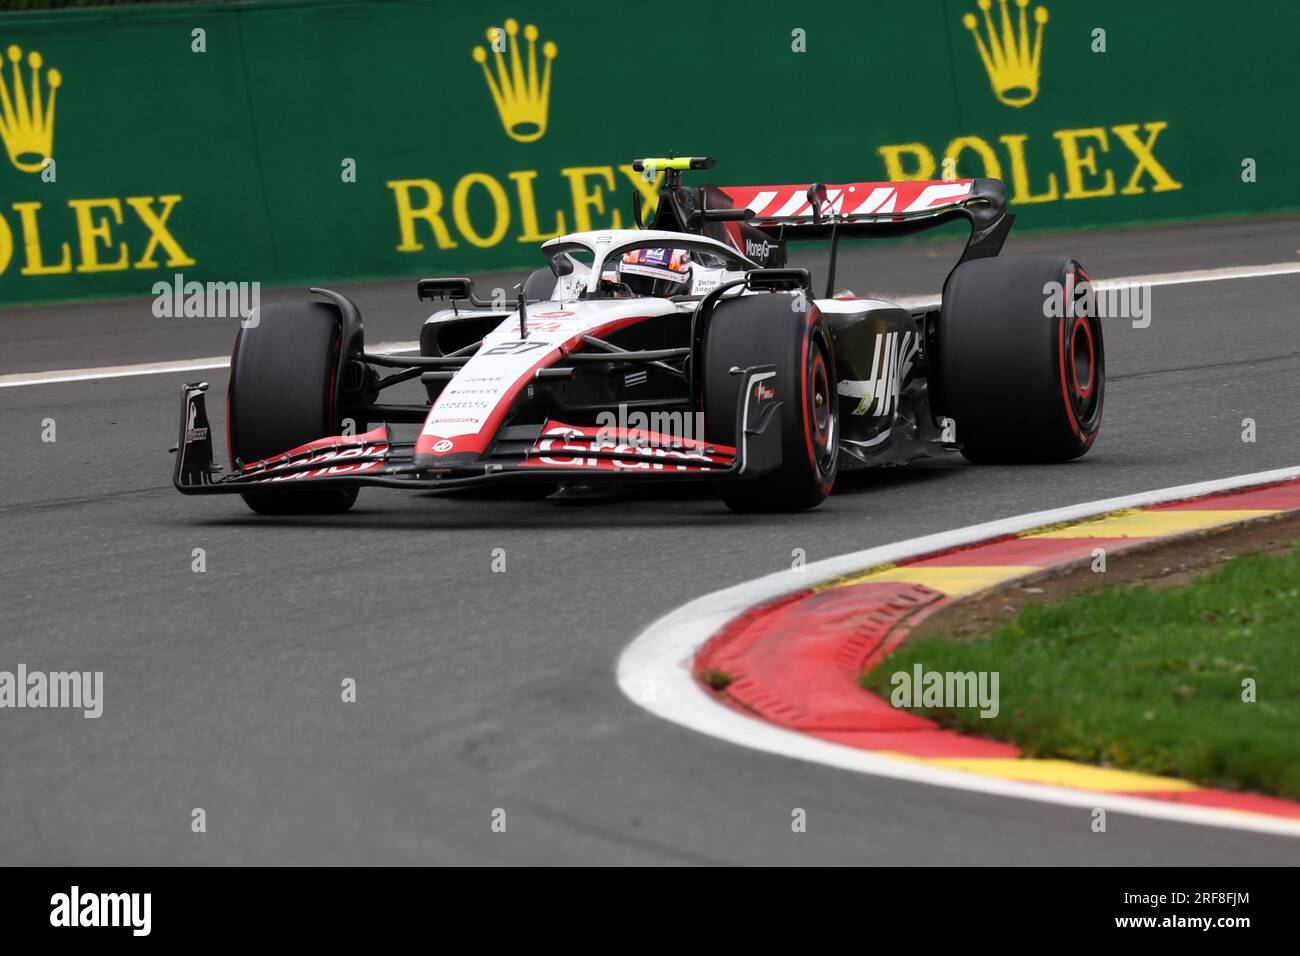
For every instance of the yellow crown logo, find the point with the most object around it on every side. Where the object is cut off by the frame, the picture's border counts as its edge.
(26, 127)
(521, 101)
(1012, 69)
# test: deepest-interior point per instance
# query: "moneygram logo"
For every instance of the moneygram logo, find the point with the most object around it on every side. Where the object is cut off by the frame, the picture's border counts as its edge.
(1011, 64)
(521, 100)
(27, 124)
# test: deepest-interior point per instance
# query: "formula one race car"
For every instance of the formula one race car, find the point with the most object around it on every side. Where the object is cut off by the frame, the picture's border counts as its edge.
(684, 349)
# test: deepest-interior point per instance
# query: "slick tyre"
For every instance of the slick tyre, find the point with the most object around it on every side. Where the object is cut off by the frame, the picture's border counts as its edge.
(1020, 366)
(282, 395)
(770, 329)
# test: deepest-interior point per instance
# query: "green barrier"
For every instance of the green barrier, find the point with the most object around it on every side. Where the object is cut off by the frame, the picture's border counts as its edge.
(302, 142)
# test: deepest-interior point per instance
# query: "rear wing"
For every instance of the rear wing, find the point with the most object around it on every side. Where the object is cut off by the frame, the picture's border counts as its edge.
(864, 210)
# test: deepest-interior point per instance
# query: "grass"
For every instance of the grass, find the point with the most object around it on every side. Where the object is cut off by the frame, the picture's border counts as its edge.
(1146, 680)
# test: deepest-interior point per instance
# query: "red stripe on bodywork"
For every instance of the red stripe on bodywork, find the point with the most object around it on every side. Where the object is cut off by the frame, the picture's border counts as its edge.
(377, 435)
(479, 441)
(852, 195)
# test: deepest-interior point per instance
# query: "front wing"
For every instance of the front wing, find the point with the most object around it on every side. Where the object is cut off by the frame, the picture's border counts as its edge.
(553, 451)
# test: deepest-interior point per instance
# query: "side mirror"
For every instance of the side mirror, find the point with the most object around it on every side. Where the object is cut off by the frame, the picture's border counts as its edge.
(777, 280)
(562, 264)
(445, 288)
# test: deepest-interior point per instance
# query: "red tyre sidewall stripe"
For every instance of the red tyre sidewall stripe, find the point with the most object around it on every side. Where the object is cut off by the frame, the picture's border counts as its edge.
(810, 423)
(1061, 340)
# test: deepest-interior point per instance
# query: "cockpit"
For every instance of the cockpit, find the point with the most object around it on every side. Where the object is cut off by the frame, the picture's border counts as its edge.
(640, 264)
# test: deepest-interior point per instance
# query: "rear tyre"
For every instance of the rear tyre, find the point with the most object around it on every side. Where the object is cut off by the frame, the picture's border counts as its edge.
(1020, 367)
(282, 395)
(769, 330)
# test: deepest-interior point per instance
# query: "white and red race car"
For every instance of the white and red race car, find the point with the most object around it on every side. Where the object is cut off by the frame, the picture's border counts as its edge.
(682, 350)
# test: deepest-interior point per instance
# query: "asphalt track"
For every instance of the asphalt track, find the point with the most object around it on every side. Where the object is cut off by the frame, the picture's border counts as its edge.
(479, 690)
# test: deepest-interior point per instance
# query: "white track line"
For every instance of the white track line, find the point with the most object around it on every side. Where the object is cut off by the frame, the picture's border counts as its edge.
(19, 379)
(1203, 275)
(1152, 279)
(54, 377)
(654, 671)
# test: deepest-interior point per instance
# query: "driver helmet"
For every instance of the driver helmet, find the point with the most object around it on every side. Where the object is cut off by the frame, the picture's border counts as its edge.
(656, 272)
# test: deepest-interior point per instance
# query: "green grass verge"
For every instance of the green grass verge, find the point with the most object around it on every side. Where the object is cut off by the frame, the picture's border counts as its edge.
(1146, 680)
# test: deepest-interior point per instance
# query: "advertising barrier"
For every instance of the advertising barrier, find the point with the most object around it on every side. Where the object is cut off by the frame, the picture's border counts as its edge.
(284, 142)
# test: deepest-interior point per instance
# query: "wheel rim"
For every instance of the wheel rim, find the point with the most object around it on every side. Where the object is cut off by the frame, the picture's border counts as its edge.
(1083, 360)
(821, 411)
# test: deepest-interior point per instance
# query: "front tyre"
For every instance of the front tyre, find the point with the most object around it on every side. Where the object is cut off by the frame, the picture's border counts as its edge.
(1020, 365)
(771, 329)
(282, 394)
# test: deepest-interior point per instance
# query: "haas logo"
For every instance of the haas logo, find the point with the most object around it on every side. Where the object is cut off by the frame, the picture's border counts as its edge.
(890, 364)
